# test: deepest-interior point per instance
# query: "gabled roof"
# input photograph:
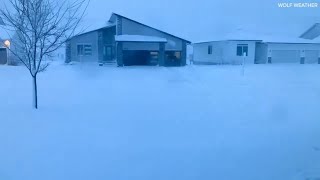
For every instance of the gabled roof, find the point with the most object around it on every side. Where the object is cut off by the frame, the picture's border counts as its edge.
(112, 19)
(105, 27)
(312, 33)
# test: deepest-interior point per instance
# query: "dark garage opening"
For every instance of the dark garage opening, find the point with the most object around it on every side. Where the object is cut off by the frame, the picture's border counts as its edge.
(146, 58)
(3, 56)
(173, 58)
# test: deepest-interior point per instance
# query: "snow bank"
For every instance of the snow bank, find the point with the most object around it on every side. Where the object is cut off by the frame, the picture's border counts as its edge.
(142, 123)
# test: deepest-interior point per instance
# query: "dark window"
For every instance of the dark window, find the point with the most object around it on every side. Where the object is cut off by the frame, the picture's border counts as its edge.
(241, 49)
(173, 55)
(109, 51)
(209, 49)
(80, 50)
(85, 50)
(154, 55)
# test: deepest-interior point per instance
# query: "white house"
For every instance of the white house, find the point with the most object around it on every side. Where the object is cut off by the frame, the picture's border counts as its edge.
(225, 52)
(258, 49)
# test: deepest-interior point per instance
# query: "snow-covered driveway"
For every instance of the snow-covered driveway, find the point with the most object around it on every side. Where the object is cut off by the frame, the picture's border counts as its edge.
(155, 123)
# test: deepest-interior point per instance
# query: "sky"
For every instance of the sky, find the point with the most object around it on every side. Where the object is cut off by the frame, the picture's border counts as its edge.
(204, 20)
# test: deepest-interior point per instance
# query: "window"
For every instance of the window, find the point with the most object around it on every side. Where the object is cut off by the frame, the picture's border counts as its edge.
(209, 49)
(154, 55)
(84, 50)
(173, 55)
(241, 49)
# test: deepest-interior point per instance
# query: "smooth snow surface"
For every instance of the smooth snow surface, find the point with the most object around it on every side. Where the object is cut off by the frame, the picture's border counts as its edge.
(156, 123)
(139, 38)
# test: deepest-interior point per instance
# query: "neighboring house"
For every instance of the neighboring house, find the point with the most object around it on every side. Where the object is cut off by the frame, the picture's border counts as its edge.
(6, 57)
(3, 52)
(261, 45)
(224, 52)
(3, 49)
(256, 51)
(127, 42)
(312, 33)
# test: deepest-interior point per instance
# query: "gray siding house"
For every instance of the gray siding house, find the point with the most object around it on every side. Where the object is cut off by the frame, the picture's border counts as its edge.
(126, 42)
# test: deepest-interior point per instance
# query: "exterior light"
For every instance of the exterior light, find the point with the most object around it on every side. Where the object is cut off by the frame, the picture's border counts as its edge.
(7, 43)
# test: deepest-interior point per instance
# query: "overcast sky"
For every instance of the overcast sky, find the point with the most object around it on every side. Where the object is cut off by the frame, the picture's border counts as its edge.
(202, 20)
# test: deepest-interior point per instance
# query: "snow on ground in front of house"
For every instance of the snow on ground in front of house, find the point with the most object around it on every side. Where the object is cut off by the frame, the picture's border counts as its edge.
(142, 123)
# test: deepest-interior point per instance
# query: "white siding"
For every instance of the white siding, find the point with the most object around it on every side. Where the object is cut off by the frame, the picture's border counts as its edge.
(230, 52)
(285, 56)
(224, 52)
(200, 53)
(312, 56)
(291, 53)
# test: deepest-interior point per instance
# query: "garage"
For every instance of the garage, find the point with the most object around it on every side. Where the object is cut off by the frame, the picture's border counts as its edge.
(312, 57)
(3, 56)
(301, 53)
(138, 58)
(285, 56)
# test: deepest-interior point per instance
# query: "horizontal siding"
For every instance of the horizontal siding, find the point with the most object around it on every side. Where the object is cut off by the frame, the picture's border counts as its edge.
(223, 52)
(89, 38)
(133, 28)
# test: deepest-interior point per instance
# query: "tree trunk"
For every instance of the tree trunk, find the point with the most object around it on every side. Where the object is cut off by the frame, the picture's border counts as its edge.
(35, 92)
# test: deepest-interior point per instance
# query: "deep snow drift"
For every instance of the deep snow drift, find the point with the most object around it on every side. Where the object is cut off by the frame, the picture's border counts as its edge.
(143, 123)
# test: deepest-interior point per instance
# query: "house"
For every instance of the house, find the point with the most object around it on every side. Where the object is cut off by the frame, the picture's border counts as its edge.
(127, 42)
(312, 33)
(257, 49)
(3, 40)
(256, 52)
(225, 51)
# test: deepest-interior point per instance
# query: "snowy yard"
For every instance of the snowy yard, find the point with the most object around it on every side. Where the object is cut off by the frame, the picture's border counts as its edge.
(156, 123)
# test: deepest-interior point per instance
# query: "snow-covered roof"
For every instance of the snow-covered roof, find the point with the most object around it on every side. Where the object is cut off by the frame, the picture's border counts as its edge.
(139, 38)
(113, 19)
(312, 32)
(254, 33)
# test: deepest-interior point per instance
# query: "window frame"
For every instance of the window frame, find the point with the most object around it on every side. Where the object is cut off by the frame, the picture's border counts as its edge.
(83, 53)
(210, 49)
(173, 53)
(241, 48)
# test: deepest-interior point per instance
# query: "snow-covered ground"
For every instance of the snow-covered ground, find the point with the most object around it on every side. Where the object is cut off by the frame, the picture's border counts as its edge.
(155, 123)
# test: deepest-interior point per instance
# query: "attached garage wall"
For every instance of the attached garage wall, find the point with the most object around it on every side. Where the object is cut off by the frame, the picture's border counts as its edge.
(261, 53)
(292, 53)
(285, 56)
(312, 57)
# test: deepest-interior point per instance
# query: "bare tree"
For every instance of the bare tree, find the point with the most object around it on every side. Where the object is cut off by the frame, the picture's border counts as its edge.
(41, 27)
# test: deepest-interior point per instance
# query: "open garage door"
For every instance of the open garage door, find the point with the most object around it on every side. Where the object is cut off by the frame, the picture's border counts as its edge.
(285, 56)
(3, 56)
(312, 57)
(133, 58)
